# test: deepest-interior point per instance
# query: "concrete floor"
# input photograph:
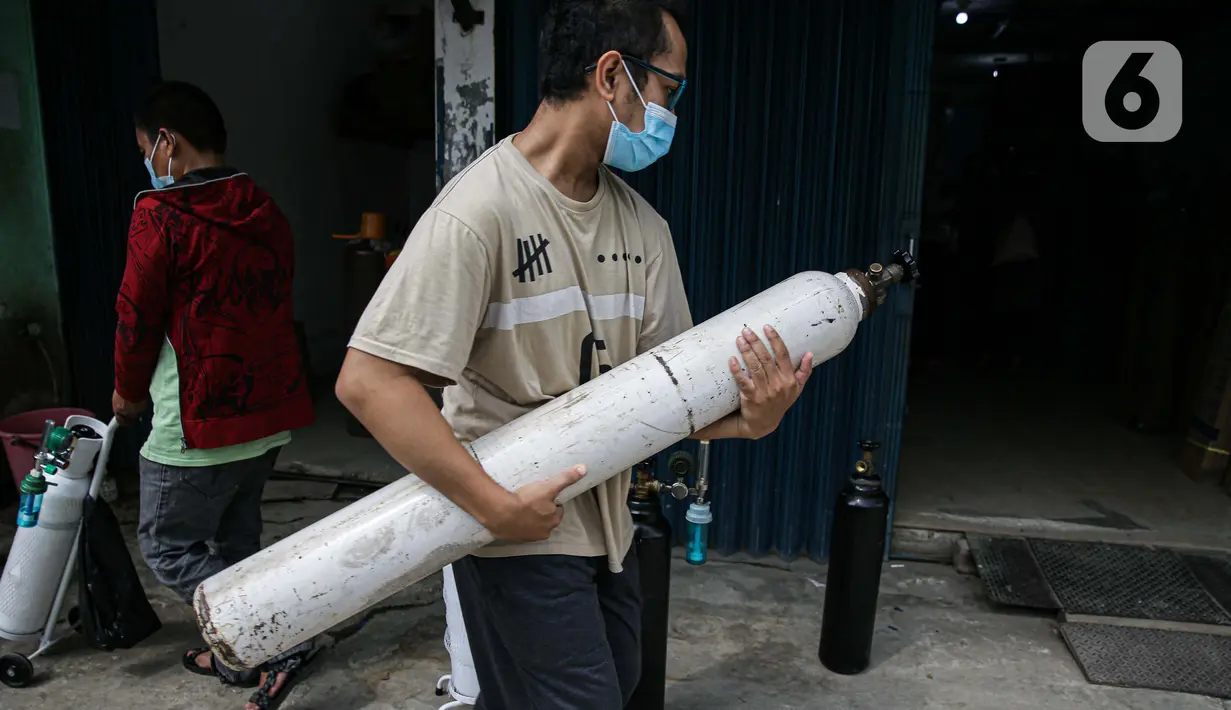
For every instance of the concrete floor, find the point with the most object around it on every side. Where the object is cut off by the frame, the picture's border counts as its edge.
(326, 449)
(743, 634)
(1026, 456)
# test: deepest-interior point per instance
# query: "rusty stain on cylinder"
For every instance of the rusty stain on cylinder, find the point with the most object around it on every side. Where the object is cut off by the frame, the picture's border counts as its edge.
(867, 295)
(217, 643)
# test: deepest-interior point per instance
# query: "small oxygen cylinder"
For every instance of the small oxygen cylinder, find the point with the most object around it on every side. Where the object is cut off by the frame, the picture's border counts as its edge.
(856, 557)
(49, 523)
(364, 262)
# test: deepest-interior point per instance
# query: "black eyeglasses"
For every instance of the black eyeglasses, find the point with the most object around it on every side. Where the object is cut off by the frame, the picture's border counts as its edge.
(673, 94)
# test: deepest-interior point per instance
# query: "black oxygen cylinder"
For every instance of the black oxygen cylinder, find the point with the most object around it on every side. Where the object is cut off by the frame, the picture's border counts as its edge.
(363, 268)
(652, 541)
(856, 557)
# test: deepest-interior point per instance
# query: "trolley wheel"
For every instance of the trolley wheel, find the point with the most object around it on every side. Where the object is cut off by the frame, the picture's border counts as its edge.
(15, 670)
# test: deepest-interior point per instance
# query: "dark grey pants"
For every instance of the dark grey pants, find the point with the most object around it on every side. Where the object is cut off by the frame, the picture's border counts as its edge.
(185, 510)
(552, 632)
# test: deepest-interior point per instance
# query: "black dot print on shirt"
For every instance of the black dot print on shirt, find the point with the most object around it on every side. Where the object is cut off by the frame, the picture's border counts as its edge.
(602, 258)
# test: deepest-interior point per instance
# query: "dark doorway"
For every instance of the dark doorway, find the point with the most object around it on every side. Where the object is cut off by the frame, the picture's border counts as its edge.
(1073, 286)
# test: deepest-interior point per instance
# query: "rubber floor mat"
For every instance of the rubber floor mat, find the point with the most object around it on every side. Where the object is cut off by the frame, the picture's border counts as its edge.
(1009, 573)
(1129, 657)
(1125, 581)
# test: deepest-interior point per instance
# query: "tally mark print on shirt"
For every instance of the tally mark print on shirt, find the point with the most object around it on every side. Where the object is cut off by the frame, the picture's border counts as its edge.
(533, 261)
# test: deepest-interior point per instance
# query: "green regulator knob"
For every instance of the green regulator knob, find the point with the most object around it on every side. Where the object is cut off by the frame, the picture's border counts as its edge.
(59, 439)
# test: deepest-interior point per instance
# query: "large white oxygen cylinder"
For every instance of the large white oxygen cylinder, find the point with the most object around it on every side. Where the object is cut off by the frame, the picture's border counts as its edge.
(40, 554)
(463, 680)
(326, 573)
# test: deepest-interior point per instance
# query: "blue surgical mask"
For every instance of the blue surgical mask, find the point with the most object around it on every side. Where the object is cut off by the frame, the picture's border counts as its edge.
(158, 182)
(634, 151)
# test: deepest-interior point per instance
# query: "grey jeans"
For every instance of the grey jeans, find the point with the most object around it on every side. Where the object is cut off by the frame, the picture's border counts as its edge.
(552, 632)
(185, 510)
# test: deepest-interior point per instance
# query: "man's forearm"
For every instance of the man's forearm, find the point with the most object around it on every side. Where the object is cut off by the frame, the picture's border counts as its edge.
(134, 371)
(142, 307)
(394, 406)
(725, 428)
(138, 342)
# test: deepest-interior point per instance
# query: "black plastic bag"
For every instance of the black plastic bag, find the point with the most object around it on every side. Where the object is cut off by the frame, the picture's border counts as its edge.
(112, 607)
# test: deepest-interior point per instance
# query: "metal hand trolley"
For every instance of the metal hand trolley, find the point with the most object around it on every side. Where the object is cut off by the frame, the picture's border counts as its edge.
(44, 553)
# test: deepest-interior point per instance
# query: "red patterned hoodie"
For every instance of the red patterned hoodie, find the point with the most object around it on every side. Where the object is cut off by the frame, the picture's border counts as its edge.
(210, 265)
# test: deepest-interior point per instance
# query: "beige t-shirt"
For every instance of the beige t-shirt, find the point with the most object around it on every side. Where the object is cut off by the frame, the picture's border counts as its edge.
(518, 294)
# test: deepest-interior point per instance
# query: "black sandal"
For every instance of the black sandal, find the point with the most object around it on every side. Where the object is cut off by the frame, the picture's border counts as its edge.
(294, 667)
(189, 661)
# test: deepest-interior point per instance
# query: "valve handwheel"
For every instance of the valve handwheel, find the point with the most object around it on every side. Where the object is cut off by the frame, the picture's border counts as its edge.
(910, 267)
(16, 671)
(681, 463)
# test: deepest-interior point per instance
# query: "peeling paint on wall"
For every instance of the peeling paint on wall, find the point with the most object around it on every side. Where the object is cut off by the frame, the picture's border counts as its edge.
(465, 89)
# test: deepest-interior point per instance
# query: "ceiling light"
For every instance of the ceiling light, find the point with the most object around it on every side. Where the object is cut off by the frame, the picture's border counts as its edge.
(962, 17)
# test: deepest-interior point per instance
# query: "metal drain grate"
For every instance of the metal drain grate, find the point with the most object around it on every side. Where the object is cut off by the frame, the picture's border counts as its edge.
(1213, 571)
(1009, 572)
(1129, 657)
(1124, 581)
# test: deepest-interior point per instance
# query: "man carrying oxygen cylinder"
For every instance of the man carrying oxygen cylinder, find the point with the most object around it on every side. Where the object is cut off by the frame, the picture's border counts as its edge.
(535, 270)
(206, 333)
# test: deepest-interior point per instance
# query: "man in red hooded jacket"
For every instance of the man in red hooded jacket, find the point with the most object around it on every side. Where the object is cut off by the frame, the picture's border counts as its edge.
(206, 334)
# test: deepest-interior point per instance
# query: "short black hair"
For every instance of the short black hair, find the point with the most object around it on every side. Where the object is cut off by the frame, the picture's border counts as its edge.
(577, 32)
(187, 110)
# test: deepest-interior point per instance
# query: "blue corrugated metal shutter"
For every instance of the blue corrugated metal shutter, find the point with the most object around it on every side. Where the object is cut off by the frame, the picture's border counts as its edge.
(800, 147)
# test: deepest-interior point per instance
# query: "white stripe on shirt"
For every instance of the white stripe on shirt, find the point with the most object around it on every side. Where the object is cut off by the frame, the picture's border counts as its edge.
(546, 306)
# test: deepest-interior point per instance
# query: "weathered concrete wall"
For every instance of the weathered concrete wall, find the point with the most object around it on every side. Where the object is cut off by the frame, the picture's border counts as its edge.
(465, 86)
(29, 291)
